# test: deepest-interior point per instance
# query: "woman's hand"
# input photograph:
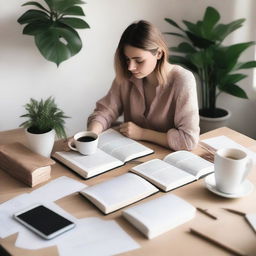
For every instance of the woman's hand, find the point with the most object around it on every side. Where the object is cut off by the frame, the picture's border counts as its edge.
(131, 130)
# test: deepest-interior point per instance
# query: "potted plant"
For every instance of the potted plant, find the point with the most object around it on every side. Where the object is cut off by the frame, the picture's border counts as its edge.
(44, 120)
(215, 64)
(53, 27)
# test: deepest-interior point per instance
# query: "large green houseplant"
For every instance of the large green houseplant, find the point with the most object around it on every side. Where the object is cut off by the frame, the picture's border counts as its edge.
(203, 52)
(44, 120)
(54, 28)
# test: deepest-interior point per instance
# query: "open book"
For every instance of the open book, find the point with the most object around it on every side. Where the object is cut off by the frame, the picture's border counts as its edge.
(118, 192)
(175, 170)
(159, 215)
(114, 150)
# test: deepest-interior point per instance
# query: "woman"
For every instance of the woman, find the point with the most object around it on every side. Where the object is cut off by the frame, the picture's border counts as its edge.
(158, 99)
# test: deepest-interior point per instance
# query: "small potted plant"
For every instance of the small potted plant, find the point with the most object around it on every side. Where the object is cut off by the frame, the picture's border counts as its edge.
(216, 65)
(44, 120)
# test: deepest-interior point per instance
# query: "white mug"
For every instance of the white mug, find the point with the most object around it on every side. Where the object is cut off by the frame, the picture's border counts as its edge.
(86, 142)
(231, 167)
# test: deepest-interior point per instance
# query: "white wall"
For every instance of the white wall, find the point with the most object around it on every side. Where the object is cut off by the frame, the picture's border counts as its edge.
(84, 78)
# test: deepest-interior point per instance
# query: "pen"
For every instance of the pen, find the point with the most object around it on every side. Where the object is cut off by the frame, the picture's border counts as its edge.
(206, 213)
(235, 211)
(215, 242)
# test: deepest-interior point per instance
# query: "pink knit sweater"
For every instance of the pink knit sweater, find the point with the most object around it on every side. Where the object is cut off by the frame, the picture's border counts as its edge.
(174, 109)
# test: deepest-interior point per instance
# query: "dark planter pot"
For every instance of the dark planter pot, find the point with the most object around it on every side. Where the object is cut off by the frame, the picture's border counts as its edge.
(210, 120)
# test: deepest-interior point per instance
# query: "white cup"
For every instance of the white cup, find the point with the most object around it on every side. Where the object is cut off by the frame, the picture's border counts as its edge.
(231, 167)
(86, 142)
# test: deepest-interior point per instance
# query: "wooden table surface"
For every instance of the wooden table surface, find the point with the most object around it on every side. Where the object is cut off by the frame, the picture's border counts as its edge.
(231, 229)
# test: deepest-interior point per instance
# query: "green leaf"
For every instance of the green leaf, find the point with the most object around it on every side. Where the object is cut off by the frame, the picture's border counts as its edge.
(221, 31)
(245, 65)
(184, 48)
(234, 90)
(35, 4)
(62, 5)
(175, 34)
(32, 16)
(50, 43)
(75, 22)
(175, 59)
(193, 28)
(233, 78)
(211, 17)
(173, 23)
(199, 41)
(74, 10)
(36, 27)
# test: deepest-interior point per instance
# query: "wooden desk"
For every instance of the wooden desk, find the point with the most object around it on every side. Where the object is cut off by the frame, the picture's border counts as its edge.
(229, 228)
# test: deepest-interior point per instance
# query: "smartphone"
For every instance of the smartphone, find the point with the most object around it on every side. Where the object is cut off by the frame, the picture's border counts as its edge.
(44, 221)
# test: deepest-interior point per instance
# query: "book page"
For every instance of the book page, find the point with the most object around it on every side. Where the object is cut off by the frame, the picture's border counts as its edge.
(88, 166)
(121, 147)
(162, 174)
(118, 192)
(189, 162)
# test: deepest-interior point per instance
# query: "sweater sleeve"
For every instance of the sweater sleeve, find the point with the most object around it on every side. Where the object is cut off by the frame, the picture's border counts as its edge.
(185, 134)
(109, 108)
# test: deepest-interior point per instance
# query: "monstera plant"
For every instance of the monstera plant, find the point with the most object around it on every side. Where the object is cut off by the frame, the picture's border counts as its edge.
(54, 28)
(217, 65)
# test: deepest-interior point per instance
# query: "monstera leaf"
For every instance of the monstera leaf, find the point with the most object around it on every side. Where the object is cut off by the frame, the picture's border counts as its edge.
(53, 27)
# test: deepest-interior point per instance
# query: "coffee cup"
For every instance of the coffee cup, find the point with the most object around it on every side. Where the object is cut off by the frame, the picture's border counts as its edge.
(86, 142)
(231, 167)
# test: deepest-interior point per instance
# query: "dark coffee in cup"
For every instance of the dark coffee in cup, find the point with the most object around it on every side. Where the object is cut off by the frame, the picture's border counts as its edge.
(86, 139)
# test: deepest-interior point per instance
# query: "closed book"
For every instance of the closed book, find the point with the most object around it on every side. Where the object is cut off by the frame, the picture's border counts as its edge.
(159, 215)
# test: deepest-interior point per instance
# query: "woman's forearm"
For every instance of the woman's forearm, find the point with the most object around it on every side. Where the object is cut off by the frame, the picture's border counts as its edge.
(95, 127)
(159, 138)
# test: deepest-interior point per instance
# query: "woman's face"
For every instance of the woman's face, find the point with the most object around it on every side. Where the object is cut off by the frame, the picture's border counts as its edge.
(140, 63)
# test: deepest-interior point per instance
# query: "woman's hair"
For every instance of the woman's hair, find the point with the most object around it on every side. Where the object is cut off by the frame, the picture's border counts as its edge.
(145, 36)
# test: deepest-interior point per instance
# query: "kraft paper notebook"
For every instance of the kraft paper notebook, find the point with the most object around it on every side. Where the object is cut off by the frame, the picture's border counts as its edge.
(114, 150)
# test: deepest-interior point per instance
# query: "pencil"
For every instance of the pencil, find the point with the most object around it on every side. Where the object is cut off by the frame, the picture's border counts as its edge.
(206, 213)
(215, 242)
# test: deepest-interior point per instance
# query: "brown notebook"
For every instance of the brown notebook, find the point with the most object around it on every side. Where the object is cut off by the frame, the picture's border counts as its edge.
(25, 165)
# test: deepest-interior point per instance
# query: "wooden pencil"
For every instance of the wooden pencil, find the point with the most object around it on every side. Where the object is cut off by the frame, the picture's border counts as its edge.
(217, 243)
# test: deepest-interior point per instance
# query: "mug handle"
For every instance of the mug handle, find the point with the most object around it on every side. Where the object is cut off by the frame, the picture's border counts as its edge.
(70, 145)
(249, 166)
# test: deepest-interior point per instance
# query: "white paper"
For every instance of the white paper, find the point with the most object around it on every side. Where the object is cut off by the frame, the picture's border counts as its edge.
(251, 218)
(225, 142)
(50, 192)
(57, 189)
(91, 236)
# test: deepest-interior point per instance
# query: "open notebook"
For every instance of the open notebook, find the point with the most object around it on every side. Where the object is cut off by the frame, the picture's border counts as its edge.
(114, 150)
(175, 170)
(145, 179)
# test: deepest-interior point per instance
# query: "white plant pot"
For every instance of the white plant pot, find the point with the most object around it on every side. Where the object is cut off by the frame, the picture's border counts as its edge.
(41, 143)
(209, 123)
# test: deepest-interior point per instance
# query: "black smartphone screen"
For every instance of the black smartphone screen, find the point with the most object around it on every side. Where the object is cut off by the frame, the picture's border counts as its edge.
(44, 220)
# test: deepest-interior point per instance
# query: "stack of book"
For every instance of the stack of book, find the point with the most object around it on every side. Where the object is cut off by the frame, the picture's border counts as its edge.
(25, 165)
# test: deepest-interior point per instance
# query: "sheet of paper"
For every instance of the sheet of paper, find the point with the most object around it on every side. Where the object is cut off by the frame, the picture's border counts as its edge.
(251, 218)
(50, 192)
(8, 225)
(90, 237)
(57, 189)
(225, 142)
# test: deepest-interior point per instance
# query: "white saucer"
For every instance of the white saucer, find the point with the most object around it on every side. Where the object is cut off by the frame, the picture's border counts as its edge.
(246, 188)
